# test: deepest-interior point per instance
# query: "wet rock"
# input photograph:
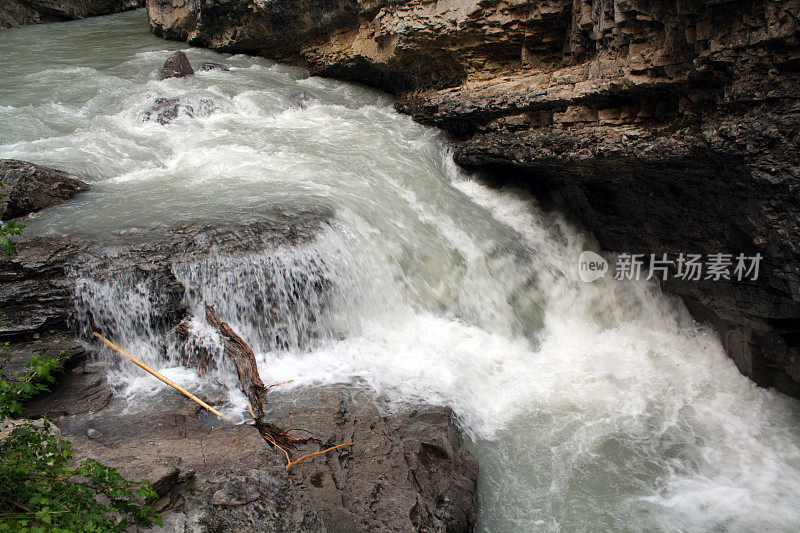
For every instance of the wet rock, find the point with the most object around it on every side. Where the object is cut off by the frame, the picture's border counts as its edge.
(213, 66)
(37, 286)
(301, 98)
(18, 353)
(176, 66)
(73, 395)
(406, 472)
(30, 188)
(167, 110)
(16, 13)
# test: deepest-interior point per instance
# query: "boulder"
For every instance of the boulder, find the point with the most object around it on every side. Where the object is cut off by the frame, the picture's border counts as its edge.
(30, 188)
(176, 66)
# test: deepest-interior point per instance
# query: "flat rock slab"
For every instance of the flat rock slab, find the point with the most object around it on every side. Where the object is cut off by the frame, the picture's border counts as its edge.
(17, 354)
(407, 471)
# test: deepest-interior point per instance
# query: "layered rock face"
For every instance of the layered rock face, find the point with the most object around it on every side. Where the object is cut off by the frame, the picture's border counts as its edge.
(662, 126)
(38, 286)
(16, 13)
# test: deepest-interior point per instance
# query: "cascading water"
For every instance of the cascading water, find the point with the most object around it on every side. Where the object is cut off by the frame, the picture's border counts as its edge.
(591, 405)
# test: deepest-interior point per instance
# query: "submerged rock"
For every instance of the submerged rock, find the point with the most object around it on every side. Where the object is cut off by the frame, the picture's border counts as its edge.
(166, 110)
(301, 98)
(213, 66)
(176, 66)
(30, 188)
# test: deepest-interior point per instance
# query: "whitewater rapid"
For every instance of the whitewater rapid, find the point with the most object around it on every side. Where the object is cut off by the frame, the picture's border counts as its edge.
(591, 406)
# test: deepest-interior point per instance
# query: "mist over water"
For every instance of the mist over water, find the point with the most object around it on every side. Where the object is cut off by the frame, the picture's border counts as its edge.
(592, 406)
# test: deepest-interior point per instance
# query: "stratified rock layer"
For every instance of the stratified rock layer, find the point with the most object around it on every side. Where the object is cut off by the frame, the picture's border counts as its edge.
(662, 126)
(16, 13)
(38, 289)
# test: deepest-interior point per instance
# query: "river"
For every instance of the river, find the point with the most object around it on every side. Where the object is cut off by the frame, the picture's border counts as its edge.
(591, 406)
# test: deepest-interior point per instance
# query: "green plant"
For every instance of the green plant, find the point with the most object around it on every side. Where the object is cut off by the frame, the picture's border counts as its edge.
(39, 491)
(40, 373)
(7, 230)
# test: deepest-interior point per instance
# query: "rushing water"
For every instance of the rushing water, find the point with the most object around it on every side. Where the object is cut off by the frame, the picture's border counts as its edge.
(590, 405)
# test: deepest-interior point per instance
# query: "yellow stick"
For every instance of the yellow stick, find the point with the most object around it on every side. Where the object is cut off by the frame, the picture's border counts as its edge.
(280, 383)
(162, 378)
(301, 459)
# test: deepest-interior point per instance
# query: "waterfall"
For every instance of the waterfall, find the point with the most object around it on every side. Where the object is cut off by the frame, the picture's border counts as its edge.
(589, 405)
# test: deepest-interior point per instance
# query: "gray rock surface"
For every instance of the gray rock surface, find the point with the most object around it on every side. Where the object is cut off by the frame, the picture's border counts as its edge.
(16, 13)
(30, 188)
(661, 126)
(17, 354)
(407, 471)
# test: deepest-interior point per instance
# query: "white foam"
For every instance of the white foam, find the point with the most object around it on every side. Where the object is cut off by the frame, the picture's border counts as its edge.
(593, 405)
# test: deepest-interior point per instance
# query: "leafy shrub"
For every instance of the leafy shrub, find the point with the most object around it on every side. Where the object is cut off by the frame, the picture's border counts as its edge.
(39, 491)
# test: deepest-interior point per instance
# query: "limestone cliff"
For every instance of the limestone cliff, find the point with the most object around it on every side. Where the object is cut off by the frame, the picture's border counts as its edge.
(663, 126)
(16, 13)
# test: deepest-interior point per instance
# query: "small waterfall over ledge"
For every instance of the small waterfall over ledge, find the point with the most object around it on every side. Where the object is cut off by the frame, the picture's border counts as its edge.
(287, 282)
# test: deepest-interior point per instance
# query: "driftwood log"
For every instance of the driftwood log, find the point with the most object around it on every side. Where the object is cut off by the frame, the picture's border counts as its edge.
(236, 349)
(250, 382)
(243, 359)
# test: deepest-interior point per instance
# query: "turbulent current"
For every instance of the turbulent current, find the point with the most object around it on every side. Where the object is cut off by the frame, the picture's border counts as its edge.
(590, 405)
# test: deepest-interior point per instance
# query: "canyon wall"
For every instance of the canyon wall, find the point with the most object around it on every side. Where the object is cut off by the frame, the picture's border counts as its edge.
(662, 126)
(16, 13)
